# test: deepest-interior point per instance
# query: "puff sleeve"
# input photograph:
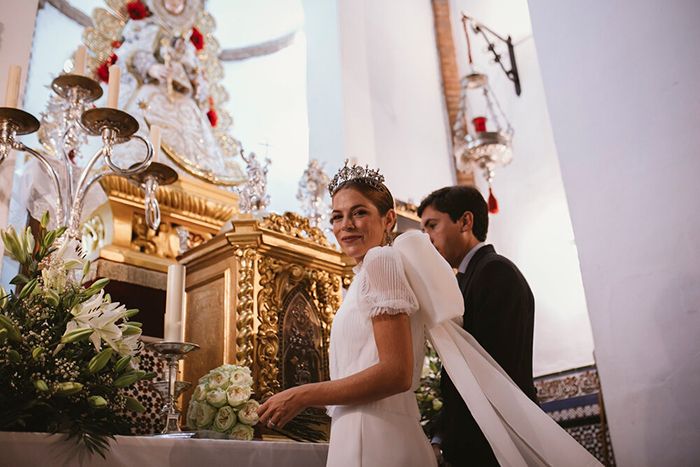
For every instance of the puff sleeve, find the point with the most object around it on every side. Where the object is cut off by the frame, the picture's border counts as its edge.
(383, 285)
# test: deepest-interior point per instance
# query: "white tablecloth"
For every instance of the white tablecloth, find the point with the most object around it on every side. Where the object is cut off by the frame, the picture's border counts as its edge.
(41, 449)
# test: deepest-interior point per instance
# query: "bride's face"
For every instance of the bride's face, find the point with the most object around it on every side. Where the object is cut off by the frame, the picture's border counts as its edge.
(357, 223)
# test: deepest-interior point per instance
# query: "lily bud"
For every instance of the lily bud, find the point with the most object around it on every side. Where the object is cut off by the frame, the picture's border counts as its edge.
(134, 405)
(76, 335)
(97, 402)
(40, 385)
(69, 388)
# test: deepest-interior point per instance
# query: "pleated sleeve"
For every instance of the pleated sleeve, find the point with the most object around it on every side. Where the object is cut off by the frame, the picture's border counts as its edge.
(384, 288)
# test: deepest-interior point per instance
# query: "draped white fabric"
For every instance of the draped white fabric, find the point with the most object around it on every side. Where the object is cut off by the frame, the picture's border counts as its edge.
(519, 432)
(43, 449)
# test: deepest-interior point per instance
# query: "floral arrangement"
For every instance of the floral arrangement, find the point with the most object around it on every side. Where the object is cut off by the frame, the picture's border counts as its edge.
(428, 392)
(66, 350)
(221, 402)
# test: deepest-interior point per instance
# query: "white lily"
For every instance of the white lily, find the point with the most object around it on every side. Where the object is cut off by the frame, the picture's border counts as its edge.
(105, 327)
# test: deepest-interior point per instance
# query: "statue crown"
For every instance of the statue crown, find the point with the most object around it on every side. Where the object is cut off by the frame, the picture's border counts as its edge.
(356, 173)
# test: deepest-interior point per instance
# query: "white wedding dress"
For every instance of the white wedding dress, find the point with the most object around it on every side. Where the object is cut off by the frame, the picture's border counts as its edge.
(387, 432)
(411, 277)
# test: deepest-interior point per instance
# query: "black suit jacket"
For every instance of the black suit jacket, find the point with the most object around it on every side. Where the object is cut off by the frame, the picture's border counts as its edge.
(499, 311)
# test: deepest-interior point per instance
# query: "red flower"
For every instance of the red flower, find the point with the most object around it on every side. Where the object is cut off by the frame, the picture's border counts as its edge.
(213, 118)
(103, 69)
(197, 39)
(137, 10)
(116, 44)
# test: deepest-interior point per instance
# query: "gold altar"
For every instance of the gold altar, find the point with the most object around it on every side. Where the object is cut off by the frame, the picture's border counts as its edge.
(263, 295)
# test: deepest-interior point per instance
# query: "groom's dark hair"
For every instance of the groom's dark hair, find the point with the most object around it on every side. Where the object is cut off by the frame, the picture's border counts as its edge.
(455, 201)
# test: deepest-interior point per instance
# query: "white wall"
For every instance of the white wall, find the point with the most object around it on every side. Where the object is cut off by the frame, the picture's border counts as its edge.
(16, 33)
(533, 227)
(392, 109)
(621, 81)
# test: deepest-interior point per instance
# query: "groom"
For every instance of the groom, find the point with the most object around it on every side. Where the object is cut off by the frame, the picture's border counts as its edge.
(499, 312)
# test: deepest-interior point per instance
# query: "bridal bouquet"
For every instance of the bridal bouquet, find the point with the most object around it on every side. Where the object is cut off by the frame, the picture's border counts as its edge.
(221, 402)
(66, 350)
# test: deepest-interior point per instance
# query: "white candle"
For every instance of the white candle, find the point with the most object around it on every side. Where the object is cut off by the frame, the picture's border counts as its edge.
(12, 90)
(113, 87)
(155, 141)
(79, 61)
(173, 303)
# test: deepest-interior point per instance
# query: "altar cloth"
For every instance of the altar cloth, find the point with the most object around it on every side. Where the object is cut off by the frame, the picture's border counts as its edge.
(42, 449)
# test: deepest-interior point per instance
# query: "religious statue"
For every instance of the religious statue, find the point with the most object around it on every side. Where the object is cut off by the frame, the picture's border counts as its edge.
(170, 73)
(313, 194)
(253, 193)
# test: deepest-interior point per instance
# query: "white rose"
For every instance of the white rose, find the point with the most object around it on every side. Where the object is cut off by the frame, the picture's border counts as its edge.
(242, 432)
(225, 418)
(193, 412)
(200, 393)
(205, 416)
(218, 379)
(237, 395)
(216, 397)
(240, 376)
(249, 413)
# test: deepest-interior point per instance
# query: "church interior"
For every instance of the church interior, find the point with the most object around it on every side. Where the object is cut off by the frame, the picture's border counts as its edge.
(216, 126)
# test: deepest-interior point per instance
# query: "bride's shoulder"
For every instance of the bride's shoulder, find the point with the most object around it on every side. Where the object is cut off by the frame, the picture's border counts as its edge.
(381, 257)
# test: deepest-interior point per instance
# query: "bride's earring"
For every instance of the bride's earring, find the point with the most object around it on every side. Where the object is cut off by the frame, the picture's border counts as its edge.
(388, 240)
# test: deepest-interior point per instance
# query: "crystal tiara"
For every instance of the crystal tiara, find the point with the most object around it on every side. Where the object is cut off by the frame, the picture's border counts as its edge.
(358, 174)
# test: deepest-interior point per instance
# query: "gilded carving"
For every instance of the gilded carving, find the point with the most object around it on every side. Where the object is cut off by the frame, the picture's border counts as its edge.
(278, 282)
(245, 308)
(294, 225)
(172, 200)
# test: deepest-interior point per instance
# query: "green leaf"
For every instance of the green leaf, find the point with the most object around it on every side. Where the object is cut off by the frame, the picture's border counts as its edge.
(19, 279)
(45, 220)
(12, 331)
(13, 356)
(28, 288)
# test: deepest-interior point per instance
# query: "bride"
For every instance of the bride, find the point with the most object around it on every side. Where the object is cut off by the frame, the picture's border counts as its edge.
(377, 344)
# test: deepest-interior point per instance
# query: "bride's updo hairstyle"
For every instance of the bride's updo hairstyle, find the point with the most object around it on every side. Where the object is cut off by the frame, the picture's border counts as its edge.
(369, 182)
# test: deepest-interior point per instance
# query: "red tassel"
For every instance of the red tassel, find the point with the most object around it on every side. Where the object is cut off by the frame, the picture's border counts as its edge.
(493, 203)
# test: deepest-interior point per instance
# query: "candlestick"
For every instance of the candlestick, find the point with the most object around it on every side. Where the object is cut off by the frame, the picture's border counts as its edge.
(79, 61)
(12, 90)
(113, 87)
(173, 303)
(155, 141)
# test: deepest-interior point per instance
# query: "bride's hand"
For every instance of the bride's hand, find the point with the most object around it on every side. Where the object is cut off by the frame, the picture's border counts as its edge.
(279, 409)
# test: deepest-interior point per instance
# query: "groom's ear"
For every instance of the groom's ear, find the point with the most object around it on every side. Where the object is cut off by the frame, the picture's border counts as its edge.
(466, 222)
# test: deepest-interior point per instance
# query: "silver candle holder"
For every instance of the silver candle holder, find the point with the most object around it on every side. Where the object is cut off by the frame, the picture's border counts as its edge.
(112, 125)
(155, 176)
(172, 353)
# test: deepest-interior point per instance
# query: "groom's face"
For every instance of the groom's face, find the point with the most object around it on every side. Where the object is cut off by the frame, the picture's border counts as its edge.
(446, 234)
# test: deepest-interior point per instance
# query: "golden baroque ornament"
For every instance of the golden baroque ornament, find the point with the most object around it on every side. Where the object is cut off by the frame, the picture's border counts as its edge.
(296, 226)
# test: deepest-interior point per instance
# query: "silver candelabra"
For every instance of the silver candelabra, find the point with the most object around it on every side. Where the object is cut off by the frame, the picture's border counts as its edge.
(112, 125)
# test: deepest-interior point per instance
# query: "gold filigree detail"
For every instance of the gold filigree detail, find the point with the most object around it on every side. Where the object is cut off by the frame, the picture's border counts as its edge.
(245, 308)
(278, 279)
(164, 242)
(169, 199)
(294, 225)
